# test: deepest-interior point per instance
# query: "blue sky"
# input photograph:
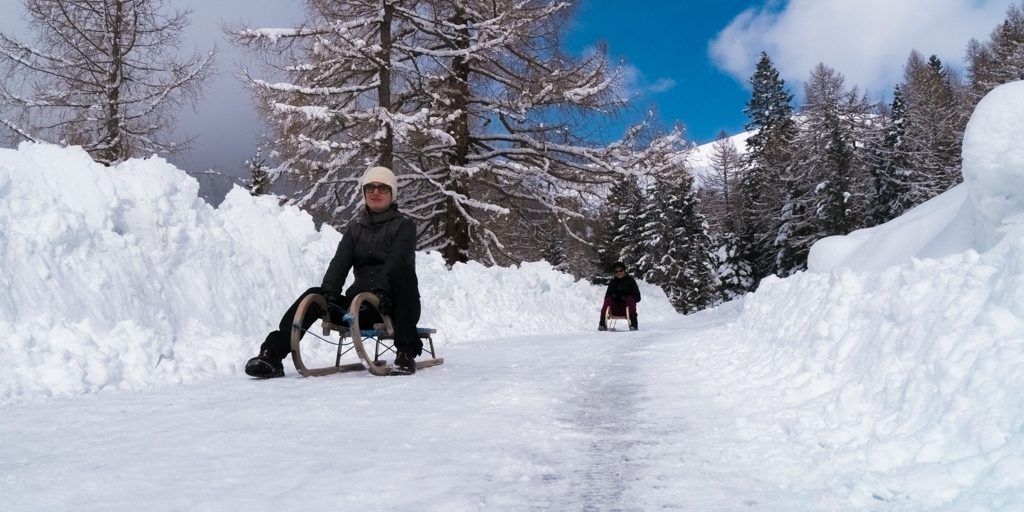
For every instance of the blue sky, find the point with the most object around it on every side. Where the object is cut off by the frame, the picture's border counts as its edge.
(692, 58)
(689, 58)
(666, 48)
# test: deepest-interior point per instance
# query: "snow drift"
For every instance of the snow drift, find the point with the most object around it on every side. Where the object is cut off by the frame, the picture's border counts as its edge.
(900, 353)
(123, 277)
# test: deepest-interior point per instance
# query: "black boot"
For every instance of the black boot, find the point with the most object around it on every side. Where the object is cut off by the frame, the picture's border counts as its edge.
(265, 366)
(405, 364)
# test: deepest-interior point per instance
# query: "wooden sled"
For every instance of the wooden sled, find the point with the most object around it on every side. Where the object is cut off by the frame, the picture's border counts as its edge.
(381, 334)
(611, 319)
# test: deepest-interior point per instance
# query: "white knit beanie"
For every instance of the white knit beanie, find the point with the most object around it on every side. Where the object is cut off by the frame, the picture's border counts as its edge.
(381, 175)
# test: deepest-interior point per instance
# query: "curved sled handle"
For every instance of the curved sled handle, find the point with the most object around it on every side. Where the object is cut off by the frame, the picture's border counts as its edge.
(356, 332)
(300, 313)
(357, 304)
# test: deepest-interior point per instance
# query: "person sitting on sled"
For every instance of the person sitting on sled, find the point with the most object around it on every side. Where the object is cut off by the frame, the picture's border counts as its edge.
(379, 247)
(621, 296)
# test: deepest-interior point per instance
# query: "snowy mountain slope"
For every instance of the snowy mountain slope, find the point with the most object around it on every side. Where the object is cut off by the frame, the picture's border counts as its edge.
(700, 160)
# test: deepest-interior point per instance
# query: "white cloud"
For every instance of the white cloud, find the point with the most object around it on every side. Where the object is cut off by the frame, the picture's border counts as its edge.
(635, 85)
(866, 40)
(661, 85)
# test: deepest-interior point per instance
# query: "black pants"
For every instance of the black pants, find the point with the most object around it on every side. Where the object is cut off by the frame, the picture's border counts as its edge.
(625, 308)
(405, 315)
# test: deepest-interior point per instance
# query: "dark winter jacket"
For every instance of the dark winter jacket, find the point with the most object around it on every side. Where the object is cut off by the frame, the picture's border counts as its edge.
(380, 247)
(621, 287)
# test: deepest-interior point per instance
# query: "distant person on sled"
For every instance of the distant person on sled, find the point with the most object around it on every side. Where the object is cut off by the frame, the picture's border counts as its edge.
(379, 247)
(621, 297)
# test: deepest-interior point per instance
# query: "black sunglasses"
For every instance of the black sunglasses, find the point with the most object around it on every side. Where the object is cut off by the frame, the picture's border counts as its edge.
(376, 187)
(618, 270)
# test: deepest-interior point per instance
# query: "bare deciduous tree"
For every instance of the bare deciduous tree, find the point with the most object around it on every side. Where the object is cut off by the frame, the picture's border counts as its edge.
(103, 75)
(720, 193)
(998, 60)
(471, 102)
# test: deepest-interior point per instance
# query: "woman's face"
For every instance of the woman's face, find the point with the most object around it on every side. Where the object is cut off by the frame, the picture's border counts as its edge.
(377, 196)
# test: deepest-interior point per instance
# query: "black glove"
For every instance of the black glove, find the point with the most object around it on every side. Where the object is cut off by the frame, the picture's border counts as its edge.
(336, 304)
(384, 307)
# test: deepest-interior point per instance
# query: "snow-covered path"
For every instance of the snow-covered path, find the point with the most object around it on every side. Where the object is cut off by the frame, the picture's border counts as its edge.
(536, 423)
(709, 447)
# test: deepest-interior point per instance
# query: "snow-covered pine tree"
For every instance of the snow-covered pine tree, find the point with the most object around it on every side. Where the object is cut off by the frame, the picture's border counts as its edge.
(103, 75)
(554, 254)
(677, 245)
(770, 114)
(650, 222)
(622, 227)
(656, 221)
(259, 179)
(837, 207)
(891, 169)
(935, 123)
(732, 272)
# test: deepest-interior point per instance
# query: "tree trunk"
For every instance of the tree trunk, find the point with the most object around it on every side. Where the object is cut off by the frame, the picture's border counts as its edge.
(387, 150)
(112, 143)
(456, 230)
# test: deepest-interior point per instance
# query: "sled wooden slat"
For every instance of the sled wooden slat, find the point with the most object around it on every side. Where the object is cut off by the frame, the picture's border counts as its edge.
(427, 363)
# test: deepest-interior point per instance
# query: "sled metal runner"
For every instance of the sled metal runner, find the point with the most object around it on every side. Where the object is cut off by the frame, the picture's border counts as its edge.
(381, 334)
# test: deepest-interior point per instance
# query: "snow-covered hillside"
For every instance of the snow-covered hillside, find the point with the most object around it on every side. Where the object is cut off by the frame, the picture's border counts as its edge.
(886, 378)
(701, 159)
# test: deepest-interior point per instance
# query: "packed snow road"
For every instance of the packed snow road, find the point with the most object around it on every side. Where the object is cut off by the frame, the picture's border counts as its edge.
(537, 423)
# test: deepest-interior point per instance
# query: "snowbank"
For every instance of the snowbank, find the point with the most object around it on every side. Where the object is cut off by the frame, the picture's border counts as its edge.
(124, 277)
(900, 354)
(994, 163)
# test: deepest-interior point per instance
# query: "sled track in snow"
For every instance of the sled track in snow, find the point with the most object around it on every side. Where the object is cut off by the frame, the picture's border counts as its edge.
(608, 413)
(605, 414)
